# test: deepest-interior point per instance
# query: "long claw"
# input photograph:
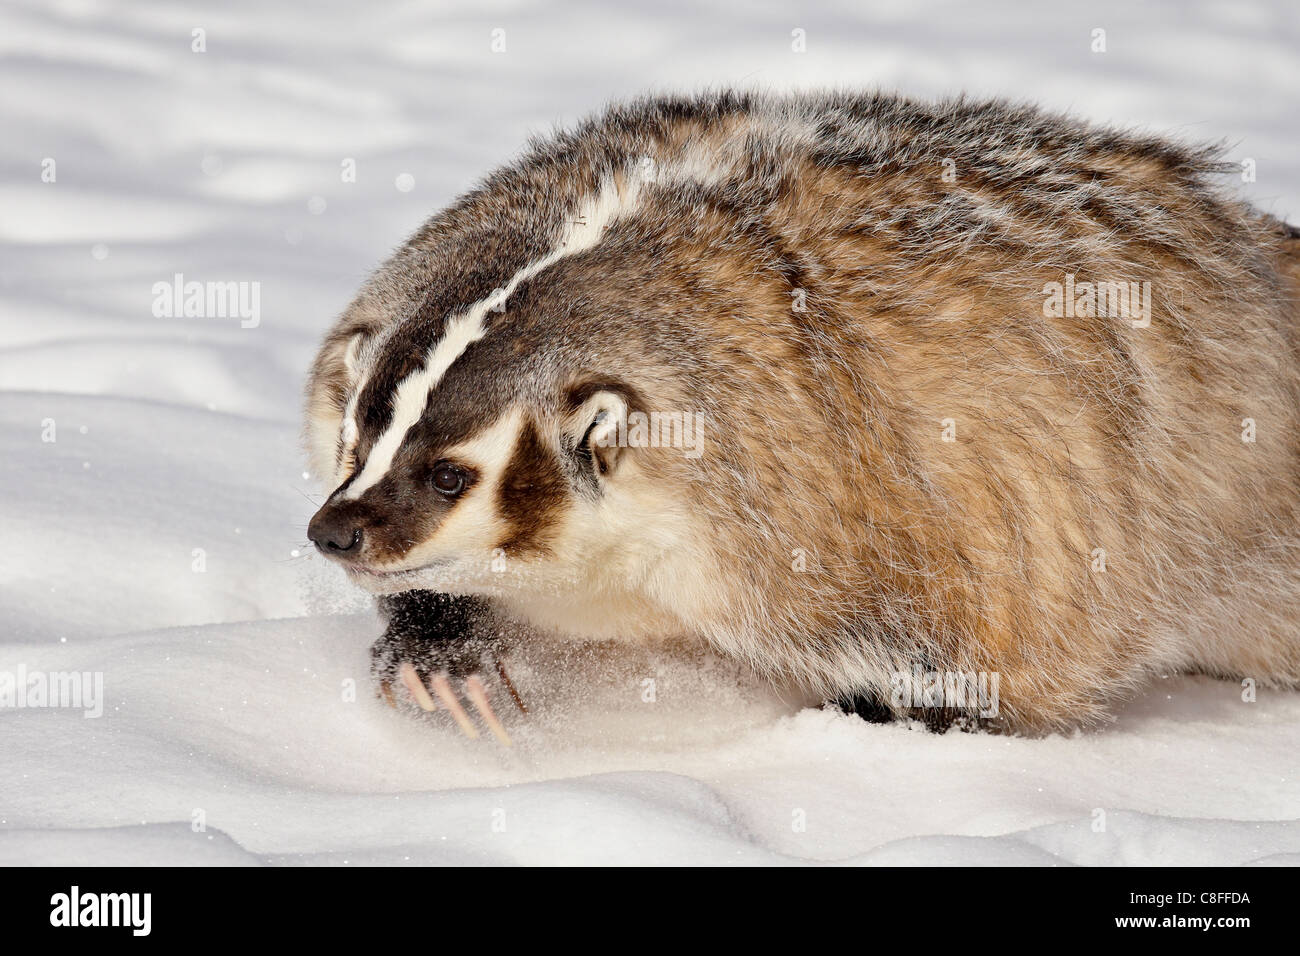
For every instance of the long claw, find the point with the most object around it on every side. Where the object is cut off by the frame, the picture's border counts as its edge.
(442, 688)
(514, 694)
(411, 679)
(478, 697)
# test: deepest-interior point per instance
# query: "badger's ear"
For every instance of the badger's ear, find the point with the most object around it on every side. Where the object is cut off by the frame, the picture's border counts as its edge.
(333, 377)
(596, 429)
(351, 355)
(338, 362)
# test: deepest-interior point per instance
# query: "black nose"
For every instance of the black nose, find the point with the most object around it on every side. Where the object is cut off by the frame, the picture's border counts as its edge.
(333, 533)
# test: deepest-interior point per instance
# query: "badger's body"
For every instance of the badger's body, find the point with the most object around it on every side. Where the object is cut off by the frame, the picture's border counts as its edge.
(926, 443)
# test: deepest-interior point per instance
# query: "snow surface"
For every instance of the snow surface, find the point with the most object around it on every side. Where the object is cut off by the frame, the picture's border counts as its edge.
(225, 689)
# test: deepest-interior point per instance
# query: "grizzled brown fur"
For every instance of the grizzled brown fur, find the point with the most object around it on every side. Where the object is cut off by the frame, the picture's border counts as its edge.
(906, 460)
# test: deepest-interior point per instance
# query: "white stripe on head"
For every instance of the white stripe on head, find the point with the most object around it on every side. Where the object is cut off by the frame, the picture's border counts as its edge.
(411, 396)
(358, 362)
(581, 233)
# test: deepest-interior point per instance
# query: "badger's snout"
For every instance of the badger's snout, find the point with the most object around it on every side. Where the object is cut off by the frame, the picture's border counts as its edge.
(336, 533)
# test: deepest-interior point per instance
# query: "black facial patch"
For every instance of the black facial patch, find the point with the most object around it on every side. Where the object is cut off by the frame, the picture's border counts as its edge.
(403, 355)
(531, 494)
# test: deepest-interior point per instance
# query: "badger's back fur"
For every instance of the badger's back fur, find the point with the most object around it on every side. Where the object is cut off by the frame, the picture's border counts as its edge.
(926, 442)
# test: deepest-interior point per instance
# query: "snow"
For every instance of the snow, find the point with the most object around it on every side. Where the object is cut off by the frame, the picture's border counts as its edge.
(159, 539)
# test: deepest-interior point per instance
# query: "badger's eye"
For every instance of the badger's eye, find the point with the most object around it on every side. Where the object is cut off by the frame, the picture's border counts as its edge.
(448, 479)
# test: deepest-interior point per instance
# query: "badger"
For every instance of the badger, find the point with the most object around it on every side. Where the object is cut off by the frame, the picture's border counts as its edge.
(852, 388)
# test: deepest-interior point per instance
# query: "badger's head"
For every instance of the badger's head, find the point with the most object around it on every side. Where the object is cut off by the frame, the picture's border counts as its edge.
(489, 445)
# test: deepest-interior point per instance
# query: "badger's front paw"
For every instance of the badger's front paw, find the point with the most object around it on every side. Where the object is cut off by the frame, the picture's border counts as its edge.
(439, 649)
(436, 674)
(455, 657)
